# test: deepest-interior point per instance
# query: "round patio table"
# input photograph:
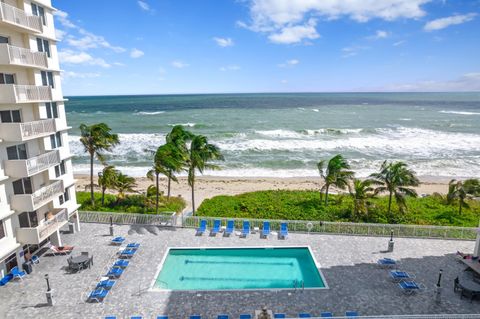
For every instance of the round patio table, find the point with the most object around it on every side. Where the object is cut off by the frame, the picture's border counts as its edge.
(82, 259)
(470, 287)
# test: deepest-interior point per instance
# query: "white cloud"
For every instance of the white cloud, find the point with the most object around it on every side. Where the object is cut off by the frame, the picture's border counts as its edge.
(287, 21)
(466, 82)
(62, 17)
(443, 23)
(379, 34)
(179, 64)
(136, 53)
(230, 68)
(284, 81)
(398, 43)
(223, 42)
(144, 6)
(59, 34)
(289, 63)
(71, 57)
(76, 75)
(352, 51)
(162, 70)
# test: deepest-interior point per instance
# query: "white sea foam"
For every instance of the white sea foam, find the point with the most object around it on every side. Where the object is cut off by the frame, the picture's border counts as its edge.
(148, 113)
(280, 134)
(316, 110)
(183, 124)
(460, 112)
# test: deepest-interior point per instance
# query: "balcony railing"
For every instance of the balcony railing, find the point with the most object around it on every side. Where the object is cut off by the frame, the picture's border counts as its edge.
(32, 93)
(17, 132)
(32, 166)
(21, 56)
(20, 18)
(35, 235)
(31, 202)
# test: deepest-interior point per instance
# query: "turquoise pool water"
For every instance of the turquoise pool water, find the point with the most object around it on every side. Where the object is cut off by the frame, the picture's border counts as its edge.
(238, 268)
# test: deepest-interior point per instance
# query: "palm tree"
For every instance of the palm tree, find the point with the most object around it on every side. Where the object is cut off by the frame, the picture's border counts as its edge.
(461, 190)
(167, 160)
(395, 178)
(96, 139)
(335, 173)
(360, 191)
(124, 184)
(200, 153)
(107, 179)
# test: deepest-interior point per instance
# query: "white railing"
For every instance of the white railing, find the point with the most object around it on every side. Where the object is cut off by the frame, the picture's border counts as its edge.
(432, 316)
(47, 193)
(51, 225)
(42, 162)
(35, 128)
(359, 229)
(32, 93)
(128, 219)
(22, 56)
(19, 17)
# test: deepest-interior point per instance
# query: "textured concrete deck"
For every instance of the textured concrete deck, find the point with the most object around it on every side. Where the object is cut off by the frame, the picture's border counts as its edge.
(347, 262)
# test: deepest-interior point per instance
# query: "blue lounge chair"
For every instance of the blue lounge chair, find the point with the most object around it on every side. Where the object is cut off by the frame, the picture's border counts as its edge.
(397, 275)
(106, 284)
(17, 273)
(351, 314)
(279, 315)
(136, 317)
(222, 317)
(230, 228)
(98, 295)
(410, 287)
(35, 259)
(326, 314)
(245, 316)
(216, 227)
(246, 228)
(110, 317)
(133, 246)
(202, 228)
(115, 272)
(266, 229)
(304, 315)
(128, 253)
(283, 230)
(117, 240)
(386, 262)
(6, 279)
(195, 317)
(162, 317)
(121, 263)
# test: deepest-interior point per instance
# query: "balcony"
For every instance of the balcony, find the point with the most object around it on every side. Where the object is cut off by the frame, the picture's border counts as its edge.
(32, 166)
(10, 55)
(19, 132)
(13, 93)
(35, 235)
(19, 19)
(31, 202)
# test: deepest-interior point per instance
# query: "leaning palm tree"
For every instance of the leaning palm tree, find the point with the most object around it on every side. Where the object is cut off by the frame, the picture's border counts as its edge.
(457, 189)
(396, 179)
(360, 191)
(168, 159)
(200, 153)
(179, 137)
(336, 172)
(472, 186)
(124, 184)
(96, 139)
(107, 179)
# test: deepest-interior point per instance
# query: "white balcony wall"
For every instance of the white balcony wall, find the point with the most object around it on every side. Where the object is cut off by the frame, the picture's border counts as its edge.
(32, 165)
(20, 56)
(20, 17)
(40, 197)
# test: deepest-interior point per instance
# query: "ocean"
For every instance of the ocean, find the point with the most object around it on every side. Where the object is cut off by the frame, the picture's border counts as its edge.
(285, 135)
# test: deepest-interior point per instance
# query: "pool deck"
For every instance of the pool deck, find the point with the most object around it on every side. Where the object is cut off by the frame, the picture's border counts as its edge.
(347, 262)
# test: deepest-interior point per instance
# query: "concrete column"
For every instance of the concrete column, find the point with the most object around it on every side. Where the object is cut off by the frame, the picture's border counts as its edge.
(76, 220)
(55, 238)
(476, 250)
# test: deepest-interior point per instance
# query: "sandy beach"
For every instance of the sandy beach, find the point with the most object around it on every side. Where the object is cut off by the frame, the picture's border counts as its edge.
(207, 187)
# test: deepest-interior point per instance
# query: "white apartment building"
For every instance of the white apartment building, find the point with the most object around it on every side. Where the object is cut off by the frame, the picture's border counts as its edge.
(37, 189)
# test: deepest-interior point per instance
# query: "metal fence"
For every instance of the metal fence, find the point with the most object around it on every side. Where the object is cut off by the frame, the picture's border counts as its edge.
(358, 229)
(444, 316)
(127, 219)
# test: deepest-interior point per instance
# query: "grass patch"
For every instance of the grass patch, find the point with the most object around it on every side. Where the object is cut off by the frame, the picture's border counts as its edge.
(138, 204)
(306, 205)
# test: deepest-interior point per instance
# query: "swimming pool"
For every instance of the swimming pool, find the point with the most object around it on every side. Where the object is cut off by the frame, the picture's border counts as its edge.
(238, 269)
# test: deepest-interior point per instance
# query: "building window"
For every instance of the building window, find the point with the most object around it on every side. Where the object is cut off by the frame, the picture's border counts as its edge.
(60, 169)
(12, 116)
(6, 78)
(56, 140)
(28, 219)
(3, 39)
(2, 230)
(65, 197)
(52, 110)
(17, 152)
(22, 186)
(11, 262)
(39, 11)
(43, 46)
(47, 78)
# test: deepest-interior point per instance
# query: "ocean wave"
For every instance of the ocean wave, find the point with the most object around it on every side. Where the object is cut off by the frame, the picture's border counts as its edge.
(148, 113)
(280, 134)
(301, 134)
(316, 110)
(460, 112)
(183, 124)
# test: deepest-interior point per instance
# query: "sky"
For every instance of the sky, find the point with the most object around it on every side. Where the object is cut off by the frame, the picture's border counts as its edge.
(231, 46)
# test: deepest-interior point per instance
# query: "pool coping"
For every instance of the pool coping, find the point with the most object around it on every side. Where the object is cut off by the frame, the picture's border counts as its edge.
(160, 266)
